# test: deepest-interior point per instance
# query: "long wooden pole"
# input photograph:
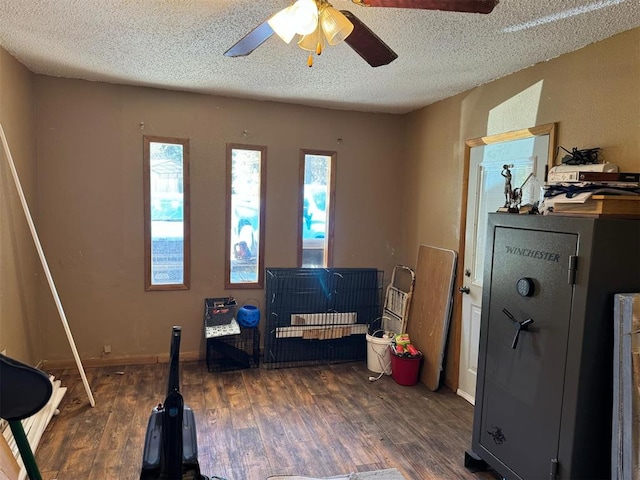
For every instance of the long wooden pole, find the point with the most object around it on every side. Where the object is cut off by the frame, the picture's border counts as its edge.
(45, 266)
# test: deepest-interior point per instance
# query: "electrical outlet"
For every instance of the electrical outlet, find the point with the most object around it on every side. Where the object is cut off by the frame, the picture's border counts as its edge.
(107, 349)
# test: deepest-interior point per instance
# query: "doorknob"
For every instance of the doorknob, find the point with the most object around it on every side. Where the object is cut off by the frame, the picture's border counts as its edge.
(464, 290)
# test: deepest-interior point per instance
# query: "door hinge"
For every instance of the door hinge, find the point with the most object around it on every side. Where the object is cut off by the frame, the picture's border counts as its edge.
(553, 472)
(573, 266)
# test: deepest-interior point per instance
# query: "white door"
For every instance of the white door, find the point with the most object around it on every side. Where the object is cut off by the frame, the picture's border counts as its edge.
(526, 159)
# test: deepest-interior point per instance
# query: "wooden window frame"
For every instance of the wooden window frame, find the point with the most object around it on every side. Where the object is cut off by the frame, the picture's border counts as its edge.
(261, 233)
(147, 140)
(332, 197)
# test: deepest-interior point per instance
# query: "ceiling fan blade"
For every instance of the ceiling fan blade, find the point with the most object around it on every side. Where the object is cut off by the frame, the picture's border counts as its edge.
(250, 41)
(468, 6)
(367, 44)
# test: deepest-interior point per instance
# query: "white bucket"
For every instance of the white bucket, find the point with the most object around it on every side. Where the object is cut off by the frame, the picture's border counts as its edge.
(378, 355)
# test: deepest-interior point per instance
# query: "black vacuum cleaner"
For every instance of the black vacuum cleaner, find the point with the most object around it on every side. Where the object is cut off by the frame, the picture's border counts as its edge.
(170, 446)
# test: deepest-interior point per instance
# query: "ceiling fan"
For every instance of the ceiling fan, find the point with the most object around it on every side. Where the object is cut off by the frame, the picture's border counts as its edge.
(316, 21)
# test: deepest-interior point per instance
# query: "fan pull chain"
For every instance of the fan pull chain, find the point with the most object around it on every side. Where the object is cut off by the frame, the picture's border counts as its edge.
(318, 52)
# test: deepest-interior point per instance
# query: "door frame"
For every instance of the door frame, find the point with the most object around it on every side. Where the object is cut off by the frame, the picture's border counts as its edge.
(452, 371)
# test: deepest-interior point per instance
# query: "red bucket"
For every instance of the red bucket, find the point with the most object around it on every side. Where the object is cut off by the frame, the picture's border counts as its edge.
(404, 370)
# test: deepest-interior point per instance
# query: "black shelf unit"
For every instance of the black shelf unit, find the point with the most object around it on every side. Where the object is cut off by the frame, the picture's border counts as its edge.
(234, 352)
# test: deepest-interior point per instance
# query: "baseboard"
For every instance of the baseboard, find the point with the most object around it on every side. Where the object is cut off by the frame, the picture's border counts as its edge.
(466, 396)
(184, 357)
(109, 361)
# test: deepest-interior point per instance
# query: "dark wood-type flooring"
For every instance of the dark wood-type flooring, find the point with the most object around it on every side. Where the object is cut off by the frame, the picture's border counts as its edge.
(320, 421)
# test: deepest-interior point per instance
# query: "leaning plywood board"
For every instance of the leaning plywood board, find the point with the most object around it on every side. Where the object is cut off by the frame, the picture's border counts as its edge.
(428, 323)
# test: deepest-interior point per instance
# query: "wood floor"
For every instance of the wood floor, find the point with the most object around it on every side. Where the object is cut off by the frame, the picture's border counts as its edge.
(320, 421)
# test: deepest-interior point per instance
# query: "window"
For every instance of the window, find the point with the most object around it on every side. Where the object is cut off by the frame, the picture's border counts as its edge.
(316, 207)
(166, 213)
(246, 186)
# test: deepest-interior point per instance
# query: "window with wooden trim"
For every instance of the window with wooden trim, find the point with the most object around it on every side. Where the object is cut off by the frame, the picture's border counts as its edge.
(166, 213)
(246, 190)
(316, 208)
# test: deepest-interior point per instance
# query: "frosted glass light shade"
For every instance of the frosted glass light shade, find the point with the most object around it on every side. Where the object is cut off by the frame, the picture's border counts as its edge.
(336, 26)
(305, 16)
(283, 24)
(310, 42)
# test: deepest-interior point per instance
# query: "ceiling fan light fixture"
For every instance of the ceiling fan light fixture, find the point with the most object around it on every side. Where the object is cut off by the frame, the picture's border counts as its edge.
(336, 26)
(283, 24)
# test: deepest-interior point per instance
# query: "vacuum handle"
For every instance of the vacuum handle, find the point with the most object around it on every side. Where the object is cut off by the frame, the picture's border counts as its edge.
(174, 360)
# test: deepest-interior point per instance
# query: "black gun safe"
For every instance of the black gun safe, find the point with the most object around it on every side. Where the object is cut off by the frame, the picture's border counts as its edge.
(545, 368)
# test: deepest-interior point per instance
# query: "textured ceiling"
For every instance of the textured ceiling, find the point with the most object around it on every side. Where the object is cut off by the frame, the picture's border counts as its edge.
(179, 44)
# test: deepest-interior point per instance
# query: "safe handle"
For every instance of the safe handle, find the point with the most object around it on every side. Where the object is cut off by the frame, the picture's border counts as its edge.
(523, 325)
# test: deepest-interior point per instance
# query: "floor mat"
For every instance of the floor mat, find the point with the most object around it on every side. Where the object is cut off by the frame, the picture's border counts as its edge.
(389, 474)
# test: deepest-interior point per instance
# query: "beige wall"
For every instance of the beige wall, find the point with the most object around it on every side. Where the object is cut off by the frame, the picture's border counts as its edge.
(90, 189)
(593, 94)
(399, 183)
(20, 271)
